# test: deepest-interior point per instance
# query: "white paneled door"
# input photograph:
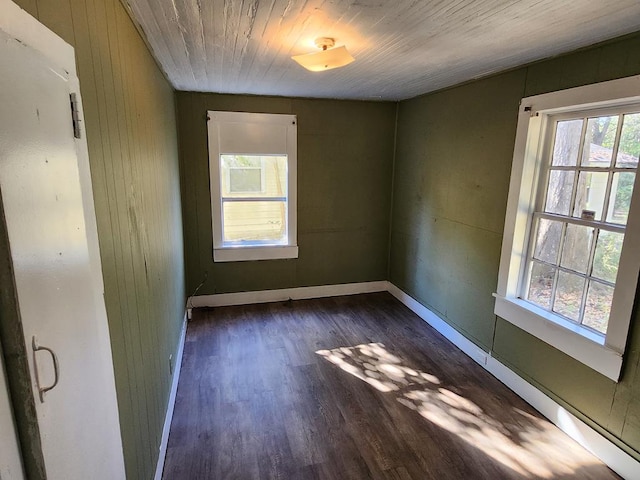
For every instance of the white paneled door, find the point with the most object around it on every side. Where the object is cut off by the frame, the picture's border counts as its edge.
(48, 205)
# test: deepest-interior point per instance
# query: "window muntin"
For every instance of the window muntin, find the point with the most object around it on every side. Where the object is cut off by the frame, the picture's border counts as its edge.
(580, 218)
(252, 164)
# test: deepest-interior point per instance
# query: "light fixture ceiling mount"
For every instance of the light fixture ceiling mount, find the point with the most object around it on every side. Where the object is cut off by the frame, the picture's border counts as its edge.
(326, 59)
(325, 42)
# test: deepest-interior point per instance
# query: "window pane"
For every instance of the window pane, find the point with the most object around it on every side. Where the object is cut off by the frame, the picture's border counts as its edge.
(598, 306)
(591, 191)
(569, 295)
(541, 284)
(598, 142)
(567, 143)
(245, 180)
(576, 248)
(621, 190)
(559, 192)
(629, 148)
(254, 221)
(607, 256)
(253, 176)
(548, 241)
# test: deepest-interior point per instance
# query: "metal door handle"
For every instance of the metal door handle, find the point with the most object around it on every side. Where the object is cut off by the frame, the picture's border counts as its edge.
(56, 369)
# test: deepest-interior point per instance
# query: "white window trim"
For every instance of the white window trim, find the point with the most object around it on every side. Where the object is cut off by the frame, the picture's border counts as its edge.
(603, 354)
(235, 252)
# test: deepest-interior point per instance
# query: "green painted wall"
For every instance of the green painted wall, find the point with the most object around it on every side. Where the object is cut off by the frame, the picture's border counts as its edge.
(345, 152)
(131, 132)
(451, 179)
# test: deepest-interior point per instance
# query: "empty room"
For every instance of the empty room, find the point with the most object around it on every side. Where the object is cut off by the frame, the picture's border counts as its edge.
(332, 239)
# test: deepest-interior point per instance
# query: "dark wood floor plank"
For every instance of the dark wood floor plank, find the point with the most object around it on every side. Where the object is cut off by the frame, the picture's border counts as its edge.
(350, 388)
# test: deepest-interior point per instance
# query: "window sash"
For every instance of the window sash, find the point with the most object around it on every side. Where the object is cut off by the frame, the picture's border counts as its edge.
(549, 136)
(610, 227)
(588, 279)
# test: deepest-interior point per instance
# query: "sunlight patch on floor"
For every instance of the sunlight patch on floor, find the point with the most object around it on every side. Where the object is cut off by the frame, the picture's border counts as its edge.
(528, 445)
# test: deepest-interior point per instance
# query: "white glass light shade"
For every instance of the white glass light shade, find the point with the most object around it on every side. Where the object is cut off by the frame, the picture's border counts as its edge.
(325, 59)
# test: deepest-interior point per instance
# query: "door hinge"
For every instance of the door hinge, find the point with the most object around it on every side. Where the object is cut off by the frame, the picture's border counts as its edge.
(75, 116)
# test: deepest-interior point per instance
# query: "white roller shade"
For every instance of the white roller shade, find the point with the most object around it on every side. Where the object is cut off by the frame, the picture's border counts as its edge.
(255, 133)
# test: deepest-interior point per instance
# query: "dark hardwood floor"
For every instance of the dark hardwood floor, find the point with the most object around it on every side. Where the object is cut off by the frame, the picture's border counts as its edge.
(350, 388)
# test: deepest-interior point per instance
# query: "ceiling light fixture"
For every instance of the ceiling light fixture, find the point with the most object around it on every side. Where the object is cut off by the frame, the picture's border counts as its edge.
(327, 59)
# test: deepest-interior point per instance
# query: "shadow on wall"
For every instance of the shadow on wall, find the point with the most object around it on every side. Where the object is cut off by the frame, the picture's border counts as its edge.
(530, 446)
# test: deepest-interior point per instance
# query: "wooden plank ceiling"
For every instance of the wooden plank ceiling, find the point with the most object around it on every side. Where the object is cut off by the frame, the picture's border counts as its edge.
(403, 48)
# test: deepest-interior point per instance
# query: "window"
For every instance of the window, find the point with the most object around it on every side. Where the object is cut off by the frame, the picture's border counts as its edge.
(252, 163)
(570, 257)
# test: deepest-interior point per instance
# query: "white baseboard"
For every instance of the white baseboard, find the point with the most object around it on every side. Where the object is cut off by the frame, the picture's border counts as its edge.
(616, 458)
(172, 402)
(299, 293)
(446, 330)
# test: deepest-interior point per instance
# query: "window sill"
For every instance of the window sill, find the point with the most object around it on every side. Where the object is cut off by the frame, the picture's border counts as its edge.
(579, 343)
(244, 254)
